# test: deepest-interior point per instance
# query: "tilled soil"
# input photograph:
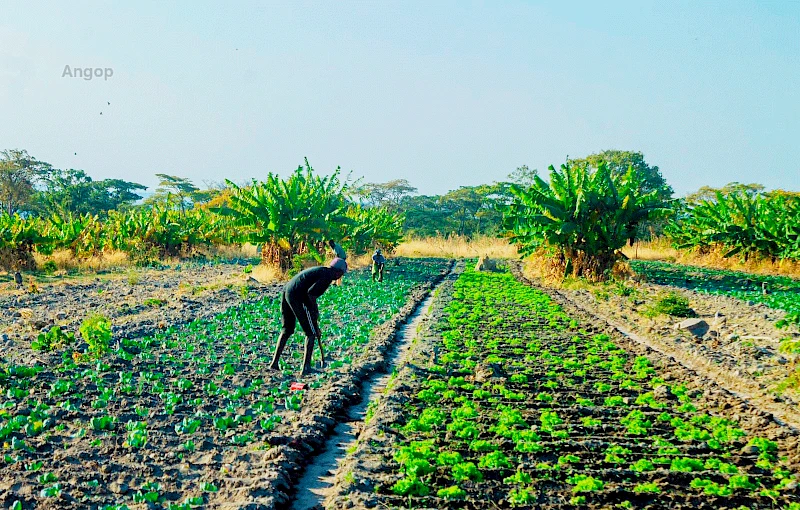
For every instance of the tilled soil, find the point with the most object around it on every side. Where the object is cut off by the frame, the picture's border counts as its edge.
(246, 449)
(138, 302)
(366, 477)
(739, 348)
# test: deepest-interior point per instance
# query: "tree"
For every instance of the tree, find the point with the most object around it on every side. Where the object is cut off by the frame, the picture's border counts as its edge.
(389, 194)
(618, 163)
(181, 188)
(289, 217)
(586, 216)
(467, 211)
(71, 192)
(523, 176)
(707, 193)
(19, 173)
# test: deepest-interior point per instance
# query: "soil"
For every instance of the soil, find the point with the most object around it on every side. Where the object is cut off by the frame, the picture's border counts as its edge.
(138, 302)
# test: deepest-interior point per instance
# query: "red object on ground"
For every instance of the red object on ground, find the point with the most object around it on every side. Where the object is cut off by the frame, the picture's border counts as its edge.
(297, 386)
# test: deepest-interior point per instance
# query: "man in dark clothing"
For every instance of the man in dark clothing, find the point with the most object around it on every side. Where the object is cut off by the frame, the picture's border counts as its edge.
(299, 304)
(378, 262)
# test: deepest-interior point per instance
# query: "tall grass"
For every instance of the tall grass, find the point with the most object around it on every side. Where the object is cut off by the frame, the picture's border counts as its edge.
(662, 250)
(456, 247)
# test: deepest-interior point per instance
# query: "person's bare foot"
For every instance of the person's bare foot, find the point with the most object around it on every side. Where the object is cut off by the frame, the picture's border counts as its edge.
(308, 371)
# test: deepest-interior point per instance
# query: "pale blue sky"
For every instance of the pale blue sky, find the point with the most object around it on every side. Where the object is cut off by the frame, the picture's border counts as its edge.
(440, 93)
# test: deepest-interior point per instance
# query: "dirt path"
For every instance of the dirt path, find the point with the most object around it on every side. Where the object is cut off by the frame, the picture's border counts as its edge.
(319, 477)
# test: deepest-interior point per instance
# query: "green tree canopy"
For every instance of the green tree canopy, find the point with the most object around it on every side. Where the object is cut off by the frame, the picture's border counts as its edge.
(19, 173)
(72, 191)
(708, 193)
(173, 191)
(523, 176)
(618, 162)
(388, 194)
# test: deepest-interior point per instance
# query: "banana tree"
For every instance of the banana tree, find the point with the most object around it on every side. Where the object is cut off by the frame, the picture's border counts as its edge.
(372, 226)
(19, 238)
(584, 216)
(290, 216)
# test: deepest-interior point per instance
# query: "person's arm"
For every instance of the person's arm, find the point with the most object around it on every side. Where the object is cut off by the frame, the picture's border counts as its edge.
(319, 287)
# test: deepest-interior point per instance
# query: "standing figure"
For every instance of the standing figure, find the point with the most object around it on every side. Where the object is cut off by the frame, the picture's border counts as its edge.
(378, 261)
(299, 304)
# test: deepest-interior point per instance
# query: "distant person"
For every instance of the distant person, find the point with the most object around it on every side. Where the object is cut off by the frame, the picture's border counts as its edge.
(338, 251)
(378, 262)
(299, 304)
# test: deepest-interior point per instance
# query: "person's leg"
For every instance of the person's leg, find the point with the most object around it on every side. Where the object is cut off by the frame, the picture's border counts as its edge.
(380, 273)
(308, 316)
(289, 320)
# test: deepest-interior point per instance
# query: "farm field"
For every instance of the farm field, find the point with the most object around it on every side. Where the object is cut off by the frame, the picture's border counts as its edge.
(139, 301)
(783, 293)
(512, 400)
(741, 341)
(190, 416)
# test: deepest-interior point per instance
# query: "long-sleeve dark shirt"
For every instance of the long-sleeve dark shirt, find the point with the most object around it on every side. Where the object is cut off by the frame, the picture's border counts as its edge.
(313, 282)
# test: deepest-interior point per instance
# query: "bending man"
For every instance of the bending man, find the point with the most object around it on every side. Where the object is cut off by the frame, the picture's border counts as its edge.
(299, 304)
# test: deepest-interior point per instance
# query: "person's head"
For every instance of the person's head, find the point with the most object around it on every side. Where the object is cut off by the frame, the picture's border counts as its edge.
(339, 265)
(331, 243)
(377, 251)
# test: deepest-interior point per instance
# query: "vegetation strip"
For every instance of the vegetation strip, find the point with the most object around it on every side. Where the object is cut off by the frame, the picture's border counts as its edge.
(523, 406)
(188, 417)
(779, 292)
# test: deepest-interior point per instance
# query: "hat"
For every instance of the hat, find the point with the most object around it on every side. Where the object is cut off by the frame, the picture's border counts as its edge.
(339, 264)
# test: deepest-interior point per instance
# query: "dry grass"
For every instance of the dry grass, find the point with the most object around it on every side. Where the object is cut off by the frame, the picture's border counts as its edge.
(65, 261)
(265, 273)
(456, 247)
(233, 251)
(359, 261)
(661, 249)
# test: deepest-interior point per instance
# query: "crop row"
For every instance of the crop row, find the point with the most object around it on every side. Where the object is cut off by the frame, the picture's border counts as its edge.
(523, 407)
(153, 404)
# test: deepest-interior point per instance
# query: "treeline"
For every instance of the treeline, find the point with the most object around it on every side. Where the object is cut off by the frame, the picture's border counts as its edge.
(47, 209)
(583, 213)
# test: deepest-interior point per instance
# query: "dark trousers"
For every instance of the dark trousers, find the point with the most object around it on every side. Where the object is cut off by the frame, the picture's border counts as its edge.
(377, 271)
(294, 309)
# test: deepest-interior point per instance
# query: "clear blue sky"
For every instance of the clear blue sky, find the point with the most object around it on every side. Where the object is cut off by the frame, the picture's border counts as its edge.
(440, 93)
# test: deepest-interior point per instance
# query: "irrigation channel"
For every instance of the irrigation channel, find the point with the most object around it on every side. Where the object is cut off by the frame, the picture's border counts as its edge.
(312, 488)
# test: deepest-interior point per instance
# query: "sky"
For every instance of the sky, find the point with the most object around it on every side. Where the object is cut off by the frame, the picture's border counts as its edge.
(443, 94)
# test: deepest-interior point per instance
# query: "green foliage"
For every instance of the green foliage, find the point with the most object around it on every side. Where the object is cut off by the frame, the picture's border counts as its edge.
(671, 303)
(53, 339)
(18, 239)
(750, 224)
(73, 192)
(289, 217)
(584, 215)
(454, 492)
(96, 332)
